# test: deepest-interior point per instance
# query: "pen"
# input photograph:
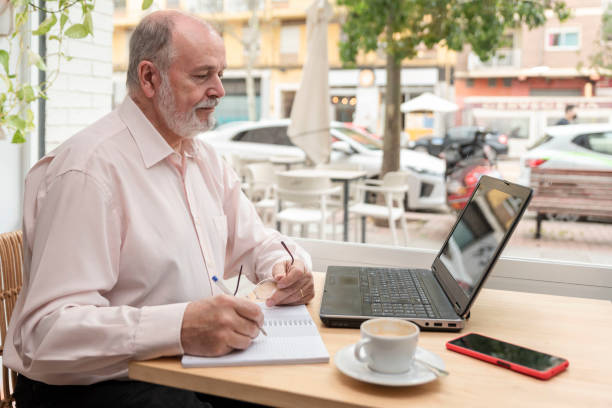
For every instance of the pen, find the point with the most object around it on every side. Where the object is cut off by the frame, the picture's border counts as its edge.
(225, 290)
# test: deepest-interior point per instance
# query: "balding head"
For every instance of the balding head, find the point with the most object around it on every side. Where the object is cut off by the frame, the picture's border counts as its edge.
(152, 41)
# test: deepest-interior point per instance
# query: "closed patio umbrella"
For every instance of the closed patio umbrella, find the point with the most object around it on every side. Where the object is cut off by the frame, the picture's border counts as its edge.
(309, 128)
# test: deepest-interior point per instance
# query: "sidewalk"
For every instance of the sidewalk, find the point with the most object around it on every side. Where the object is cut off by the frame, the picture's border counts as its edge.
(584, 242)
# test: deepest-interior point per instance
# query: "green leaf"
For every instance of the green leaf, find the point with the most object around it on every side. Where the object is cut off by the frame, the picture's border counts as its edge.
(63, 20)
(46, 25)
(4, 59)
(18, 137)
(146, 4)
(77, 31)
(16, 122)
(88, 23)
(28, 93)
(35, 59)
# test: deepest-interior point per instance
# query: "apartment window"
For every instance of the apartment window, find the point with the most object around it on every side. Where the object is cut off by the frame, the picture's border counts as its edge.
(469, 83)
(492, 82)
(562, 39)
(119, 4)
(289, 43)
(507, 82)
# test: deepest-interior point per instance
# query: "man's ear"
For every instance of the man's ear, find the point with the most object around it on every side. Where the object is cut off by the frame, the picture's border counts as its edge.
(149, 78)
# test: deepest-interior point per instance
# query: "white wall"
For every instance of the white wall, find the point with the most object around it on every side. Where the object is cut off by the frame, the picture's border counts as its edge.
(82, 93)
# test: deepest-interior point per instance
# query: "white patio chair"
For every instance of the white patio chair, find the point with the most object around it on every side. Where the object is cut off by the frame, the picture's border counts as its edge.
(393, 187)
(261, 181)
(308, 197)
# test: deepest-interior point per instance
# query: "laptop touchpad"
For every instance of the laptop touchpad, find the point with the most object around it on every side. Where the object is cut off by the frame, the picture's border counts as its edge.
(344, 296)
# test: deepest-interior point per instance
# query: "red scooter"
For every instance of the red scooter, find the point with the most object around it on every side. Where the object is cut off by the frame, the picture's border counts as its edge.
(465, 164)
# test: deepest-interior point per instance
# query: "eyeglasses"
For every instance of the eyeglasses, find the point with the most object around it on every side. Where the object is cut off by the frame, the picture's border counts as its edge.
(265, 288)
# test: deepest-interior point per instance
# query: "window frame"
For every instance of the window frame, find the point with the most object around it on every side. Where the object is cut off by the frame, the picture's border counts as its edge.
(562, 31)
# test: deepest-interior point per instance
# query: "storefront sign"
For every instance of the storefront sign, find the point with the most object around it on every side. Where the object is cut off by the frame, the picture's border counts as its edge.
(538, 105)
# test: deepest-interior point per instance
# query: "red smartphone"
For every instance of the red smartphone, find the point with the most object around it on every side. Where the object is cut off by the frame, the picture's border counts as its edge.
(526, 361)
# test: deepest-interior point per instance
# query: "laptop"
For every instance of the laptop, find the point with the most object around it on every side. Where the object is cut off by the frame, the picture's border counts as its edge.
(438, 298)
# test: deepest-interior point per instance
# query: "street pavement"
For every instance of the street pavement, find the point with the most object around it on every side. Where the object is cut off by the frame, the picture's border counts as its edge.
(583, 241)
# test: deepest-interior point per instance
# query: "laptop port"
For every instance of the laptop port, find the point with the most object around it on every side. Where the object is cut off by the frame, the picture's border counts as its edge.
(438, 324)
(452, 325)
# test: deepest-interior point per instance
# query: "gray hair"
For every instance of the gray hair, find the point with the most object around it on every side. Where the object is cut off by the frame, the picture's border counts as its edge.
(151, 41)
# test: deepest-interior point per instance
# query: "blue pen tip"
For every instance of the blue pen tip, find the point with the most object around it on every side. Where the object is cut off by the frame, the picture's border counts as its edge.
(215, 278)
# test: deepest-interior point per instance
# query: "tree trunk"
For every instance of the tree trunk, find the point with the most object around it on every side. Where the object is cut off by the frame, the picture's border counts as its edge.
(391, 140)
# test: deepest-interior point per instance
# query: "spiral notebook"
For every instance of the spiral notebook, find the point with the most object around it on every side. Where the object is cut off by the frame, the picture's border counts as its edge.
(293, 338)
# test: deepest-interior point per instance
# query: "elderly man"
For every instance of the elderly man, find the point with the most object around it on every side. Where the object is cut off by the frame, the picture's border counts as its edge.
(125, 226)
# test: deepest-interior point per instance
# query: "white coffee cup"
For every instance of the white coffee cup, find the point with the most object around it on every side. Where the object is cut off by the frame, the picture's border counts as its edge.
(387, 345)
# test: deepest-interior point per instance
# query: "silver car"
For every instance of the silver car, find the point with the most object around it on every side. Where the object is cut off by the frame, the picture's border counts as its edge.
(264, 139)
(583, 146)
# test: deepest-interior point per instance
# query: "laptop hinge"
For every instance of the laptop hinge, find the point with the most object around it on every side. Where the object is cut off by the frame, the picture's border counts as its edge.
(455, 304)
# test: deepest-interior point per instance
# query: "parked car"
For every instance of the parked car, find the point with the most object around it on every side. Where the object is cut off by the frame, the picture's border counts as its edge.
(434, 145)
(264, 139)
(583, 147)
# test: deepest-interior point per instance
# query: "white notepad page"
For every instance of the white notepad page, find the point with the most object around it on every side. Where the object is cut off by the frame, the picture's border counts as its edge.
(292, 338)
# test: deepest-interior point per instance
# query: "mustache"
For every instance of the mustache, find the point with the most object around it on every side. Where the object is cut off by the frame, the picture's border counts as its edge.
(211, 102)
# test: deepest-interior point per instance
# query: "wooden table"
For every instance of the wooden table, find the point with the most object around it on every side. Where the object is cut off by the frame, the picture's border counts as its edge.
(577, 329)
(343, 176)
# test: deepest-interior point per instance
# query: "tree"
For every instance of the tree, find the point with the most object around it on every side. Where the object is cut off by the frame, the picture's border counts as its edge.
(600, 62)
(398, 27)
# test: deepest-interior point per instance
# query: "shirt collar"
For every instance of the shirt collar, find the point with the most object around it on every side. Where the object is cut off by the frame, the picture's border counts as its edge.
(152, 146)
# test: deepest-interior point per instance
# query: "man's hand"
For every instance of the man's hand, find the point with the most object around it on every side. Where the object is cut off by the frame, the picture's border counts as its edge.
(215, 326)
(295, 285)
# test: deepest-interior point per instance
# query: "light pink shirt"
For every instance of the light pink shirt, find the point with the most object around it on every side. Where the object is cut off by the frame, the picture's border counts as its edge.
(120, 233)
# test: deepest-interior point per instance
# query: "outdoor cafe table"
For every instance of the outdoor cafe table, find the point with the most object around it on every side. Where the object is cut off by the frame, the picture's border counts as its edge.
(287, 161)
(575, 328)
(343, 176)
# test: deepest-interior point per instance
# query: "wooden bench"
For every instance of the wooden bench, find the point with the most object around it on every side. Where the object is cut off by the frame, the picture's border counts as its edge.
(569, 191)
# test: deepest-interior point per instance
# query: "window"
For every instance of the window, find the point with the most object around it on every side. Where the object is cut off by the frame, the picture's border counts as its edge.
(119, 4)
(597, 142)
(507, 82)
(562, 39)
(492, 82)
(276, 135)
(289, 43)
(469, 83)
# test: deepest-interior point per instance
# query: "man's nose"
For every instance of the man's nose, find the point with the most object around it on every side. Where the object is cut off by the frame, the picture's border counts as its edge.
(216, 89)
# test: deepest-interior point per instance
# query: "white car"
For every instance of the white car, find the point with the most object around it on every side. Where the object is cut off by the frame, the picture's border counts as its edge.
(583, 146)
(264, 139)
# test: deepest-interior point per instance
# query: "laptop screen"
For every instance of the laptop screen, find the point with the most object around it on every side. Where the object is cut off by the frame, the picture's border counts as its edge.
(478, 235)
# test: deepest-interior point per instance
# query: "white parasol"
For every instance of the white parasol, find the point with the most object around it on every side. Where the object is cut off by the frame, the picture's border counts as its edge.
(428, 102)
(309, 128)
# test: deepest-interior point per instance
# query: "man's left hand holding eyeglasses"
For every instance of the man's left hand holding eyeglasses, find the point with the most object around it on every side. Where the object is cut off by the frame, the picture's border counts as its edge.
(295, 285)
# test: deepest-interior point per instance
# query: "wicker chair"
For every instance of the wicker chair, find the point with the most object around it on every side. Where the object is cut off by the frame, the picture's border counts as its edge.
(11, 261)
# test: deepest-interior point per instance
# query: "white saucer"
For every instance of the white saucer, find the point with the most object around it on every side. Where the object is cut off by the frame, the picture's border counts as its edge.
(418, 374)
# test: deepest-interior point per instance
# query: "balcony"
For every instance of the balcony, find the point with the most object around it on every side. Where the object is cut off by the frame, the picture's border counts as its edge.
(509, 58)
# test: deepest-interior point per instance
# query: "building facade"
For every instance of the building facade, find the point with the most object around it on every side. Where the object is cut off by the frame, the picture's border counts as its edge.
(527, 84)
(278, 53)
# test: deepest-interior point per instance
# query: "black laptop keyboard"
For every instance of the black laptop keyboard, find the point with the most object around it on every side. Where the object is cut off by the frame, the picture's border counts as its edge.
(395, 293)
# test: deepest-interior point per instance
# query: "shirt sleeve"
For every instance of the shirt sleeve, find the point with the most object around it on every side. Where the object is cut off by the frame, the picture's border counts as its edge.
(65, 329)
(250, 243)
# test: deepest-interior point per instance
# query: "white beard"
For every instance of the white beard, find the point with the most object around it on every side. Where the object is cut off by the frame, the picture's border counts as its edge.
(187, 125)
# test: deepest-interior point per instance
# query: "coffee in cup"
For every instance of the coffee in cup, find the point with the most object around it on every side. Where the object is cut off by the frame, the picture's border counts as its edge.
(387, 345)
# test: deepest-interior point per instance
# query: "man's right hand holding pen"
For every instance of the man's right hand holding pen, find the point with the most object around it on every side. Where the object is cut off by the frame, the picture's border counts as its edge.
(217, 325)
